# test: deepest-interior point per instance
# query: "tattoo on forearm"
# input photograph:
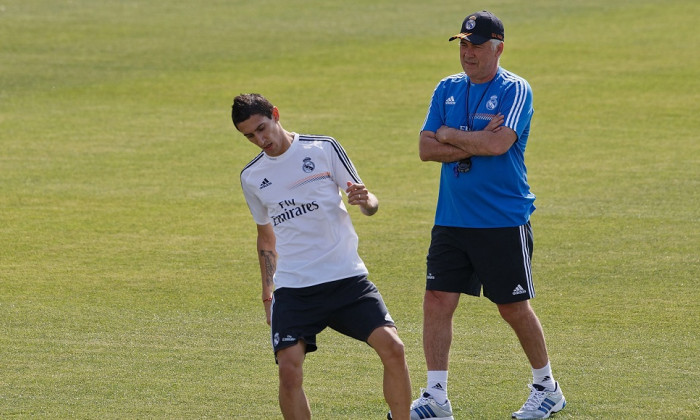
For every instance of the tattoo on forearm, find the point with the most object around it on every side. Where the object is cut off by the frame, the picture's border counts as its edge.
(270, 264)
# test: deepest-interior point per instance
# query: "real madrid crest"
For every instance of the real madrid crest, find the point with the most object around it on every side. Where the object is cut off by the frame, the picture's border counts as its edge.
(471, 23)
(308, 165)
(492, 103)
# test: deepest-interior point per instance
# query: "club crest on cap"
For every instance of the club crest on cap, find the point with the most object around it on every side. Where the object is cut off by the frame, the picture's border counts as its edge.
(480, 27)
(471, 23)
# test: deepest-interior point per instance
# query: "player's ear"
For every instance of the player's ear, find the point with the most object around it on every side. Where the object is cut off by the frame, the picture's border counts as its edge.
(275, 114)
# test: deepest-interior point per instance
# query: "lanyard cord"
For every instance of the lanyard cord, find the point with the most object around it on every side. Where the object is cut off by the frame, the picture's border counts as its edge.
(470, 117)
(465, 165)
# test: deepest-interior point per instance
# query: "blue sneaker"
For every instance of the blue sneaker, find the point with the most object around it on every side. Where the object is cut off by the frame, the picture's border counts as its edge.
(541, 404)
(426, 407)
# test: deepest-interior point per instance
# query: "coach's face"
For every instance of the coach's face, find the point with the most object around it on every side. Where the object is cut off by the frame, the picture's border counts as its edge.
(266, 133)
(480, 62)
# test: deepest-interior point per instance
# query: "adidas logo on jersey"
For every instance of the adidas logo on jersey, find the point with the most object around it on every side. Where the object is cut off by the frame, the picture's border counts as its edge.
(519, 290)
(450, 100)
(265, 183)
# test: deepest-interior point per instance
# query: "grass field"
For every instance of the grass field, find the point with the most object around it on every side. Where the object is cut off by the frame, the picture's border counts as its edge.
(129, 286)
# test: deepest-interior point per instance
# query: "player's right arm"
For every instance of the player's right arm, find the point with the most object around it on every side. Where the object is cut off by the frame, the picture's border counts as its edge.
(267, 256)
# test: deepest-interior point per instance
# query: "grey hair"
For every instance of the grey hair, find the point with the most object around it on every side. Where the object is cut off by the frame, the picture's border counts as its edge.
(495, 43)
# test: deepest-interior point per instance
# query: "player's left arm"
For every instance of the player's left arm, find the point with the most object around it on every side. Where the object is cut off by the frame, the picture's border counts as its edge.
(345, 174)
(359, 195)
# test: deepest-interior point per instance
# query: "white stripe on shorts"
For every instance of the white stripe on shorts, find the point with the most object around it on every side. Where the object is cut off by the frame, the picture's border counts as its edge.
(527, 258)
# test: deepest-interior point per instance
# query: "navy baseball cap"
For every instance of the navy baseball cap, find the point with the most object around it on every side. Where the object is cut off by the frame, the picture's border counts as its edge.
(480, 27)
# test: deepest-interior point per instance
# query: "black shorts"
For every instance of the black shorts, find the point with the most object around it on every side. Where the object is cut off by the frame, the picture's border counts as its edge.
(351, 306)
(463, 260)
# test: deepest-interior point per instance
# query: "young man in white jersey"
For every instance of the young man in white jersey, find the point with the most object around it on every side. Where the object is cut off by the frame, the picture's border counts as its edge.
(312, 275)
(477, 127)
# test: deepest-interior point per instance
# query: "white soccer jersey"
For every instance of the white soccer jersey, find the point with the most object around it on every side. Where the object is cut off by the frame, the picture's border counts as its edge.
(298, 192)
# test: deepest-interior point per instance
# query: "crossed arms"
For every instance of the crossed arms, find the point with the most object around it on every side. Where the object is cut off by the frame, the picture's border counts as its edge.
(450, 144)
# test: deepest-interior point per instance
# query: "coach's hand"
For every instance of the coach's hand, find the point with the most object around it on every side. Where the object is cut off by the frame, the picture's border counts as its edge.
(495, 124)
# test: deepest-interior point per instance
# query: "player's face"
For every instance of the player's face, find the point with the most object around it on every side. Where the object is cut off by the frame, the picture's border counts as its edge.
(266, 133)
(480, 62)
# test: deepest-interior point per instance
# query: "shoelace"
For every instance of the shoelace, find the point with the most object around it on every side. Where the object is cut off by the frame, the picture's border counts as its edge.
(534, 400)
(423, 400)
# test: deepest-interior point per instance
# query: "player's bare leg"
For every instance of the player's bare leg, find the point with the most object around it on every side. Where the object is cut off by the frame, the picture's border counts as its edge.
(397, 383)
(292, 398)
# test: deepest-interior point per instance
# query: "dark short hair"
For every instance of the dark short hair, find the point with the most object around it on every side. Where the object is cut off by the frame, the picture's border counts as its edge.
(249, 104)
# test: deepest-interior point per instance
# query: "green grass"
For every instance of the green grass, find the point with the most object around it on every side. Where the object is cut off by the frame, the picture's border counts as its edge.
(128, 282)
